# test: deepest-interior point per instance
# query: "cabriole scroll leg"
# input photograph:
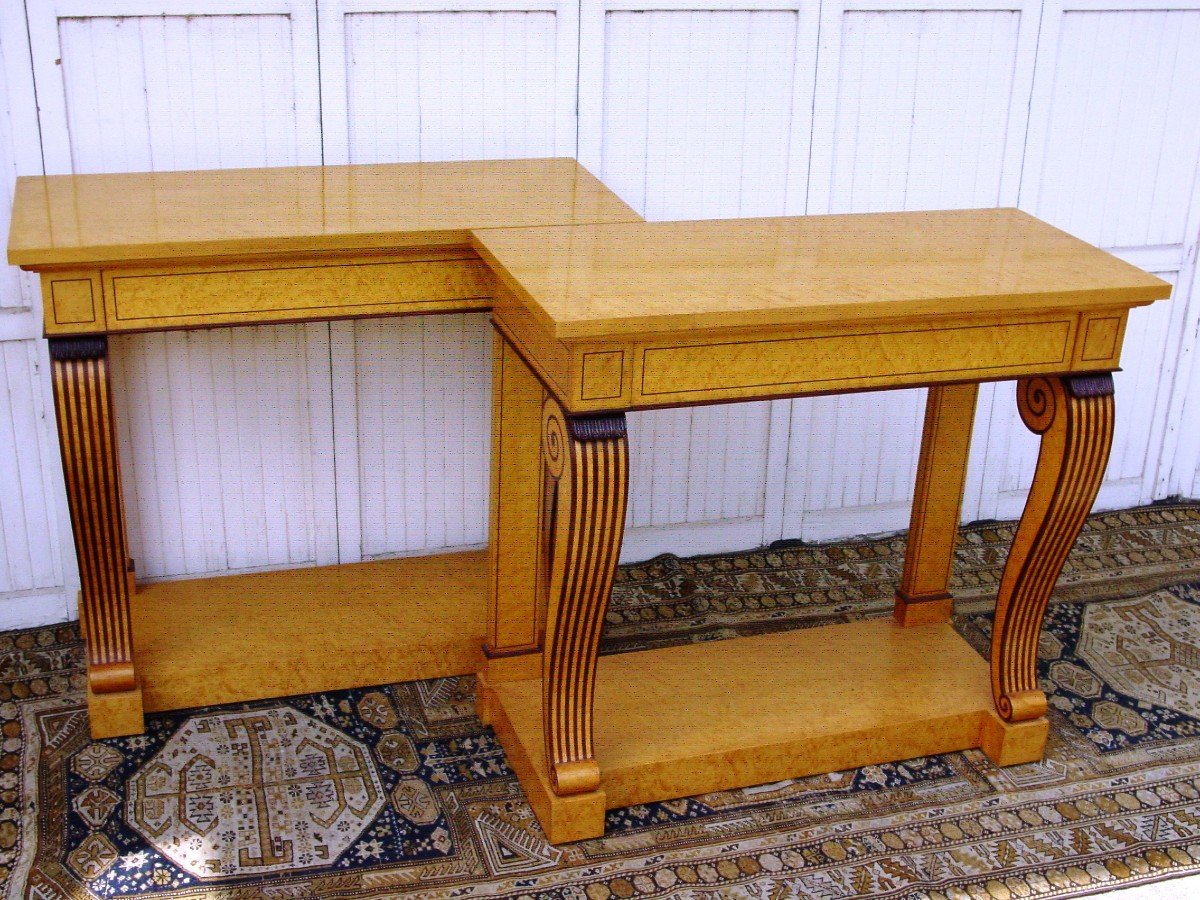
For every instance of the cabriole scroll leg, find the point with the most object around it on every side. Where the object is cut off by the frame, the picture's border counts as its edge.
(87, 439)
(1074, 416)
(587, 461)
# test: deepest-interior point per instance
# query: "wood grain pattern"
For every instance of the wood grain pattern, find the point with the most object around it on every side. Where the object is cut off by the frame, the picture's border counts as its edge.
(118, 218)
(515, 557)
(234, 638)
(1074, 416)
(588, 460)
(82, 399)
(924, 593)
(684, 720)
(635, 279)
(332, 285)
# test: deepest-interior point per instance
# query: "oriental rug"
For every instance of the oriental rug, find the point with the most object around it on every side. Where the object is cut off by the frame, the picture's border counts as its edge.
(399, 790)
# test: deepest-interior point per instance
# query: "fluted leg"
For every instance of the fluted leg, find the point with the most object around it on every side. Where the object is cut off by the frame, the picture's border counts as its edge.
(1074, 416)
(87, 439)
(587, 467)
(924, 593)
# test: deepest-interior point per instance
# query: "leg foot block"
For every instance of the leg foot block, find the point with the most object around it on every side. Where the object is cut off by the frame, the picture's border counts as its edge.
(1012, 743)
(911, 611)
(575, 817)
(117, 714)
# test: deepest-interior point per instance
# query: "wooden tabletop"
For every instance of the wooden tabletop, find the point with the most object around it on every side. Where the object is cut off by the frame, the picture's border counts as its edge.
(598, 281)
(103, 219)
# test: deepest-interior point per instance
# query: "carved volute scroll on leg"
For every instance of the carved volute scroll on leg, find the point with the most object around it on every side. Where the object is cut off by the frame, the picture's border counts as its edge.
(587, 465)
(1074, 416)
(87, 439)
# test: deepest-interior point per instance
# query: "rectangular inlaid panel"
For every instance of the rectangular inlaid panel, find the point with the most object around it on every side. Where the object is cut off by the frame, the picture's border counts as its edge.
(250, 292)
(727, 369)
(72, 302)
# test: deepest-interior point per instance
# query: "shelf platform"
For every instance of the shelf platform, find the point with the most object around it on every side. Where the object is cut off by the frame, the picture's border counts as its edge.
(686, 720)
(272, 634)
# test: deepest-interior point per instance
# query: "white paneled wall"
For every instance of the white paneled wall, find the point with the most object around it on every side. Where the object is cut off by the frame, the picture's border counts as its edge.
(28, 536)
(914, 109)
(692, 113)
(486, 80)
(124, 87)
(417, 460)
(1112, 156)
(225, 439)
(299, 445)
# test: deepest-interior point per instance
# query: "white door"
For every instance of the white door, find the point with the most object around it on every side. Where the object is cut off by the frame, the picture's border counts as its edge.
(915, 109)
(1112, 157)
(693, 111)
(225, 435)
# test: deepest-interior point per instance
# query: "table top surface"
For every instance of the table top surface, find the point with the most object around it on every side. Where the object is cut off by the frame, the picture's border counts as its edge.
(596, 281)
(97, 219)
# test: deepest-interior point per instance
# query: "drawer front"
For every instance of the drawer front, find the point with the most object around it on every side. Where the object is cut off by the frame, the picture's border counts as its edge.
(295, 291)
(724, 370)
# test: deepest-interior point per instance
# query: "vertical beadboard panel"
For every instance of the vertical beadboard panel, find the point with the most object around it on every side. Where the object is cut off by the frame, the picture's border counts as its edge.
(35, 576)
(914, 109)
(1115, 160)
(921, 104)
(698, 113)
(29, 550)
(481, 79)
(225, 435)
(1113, 156)
(698, 110)
(451, 85)
(184, 91)
(224, 439)
(491, 79)
(423, 406)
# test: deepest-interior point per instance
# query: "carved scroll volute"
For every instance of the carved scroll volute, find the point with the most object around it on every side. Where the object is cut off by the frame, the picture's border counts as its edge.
(1074, 416)
(587, 467)
(87, 439)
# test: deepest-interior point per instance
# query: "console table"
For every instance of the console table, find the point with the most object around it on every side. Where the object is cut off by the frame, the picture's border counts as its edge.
(169, 250)
(596, 313)
(600, 319)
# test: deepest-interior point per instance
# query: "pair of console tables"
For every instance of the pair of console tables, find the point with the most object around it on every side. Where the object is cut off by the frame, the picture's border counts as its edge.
(596, 313)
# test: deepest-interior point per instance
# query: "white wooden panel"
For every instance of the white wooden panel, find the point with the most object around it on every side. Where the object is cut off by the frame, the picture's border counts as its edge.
(226, 435)
(29, 550)
(486, 80)
(699, 113)
(20, 306)
(125, 88)
(1179, 467)
(37, 581)
(920, 109)
(1115, 138)
(422, 395)
(401, 82)
(1113, 151)
(914, 109)
(225, 438)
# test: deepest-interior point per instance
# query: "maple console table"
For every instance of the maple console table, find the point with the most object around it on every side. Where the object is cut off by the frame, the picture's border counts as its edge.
(596, 313)
(600, 319)
(154, 251)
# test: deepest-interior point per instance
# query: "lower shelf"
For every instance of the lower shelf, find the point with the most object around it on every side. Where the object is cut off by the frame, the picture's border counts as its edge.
(273, 634)
(685, 720)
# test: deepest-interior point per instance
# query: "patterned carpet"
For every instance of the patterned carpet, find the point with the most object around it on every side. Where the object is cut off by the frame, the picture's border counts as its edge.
(399, 791)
